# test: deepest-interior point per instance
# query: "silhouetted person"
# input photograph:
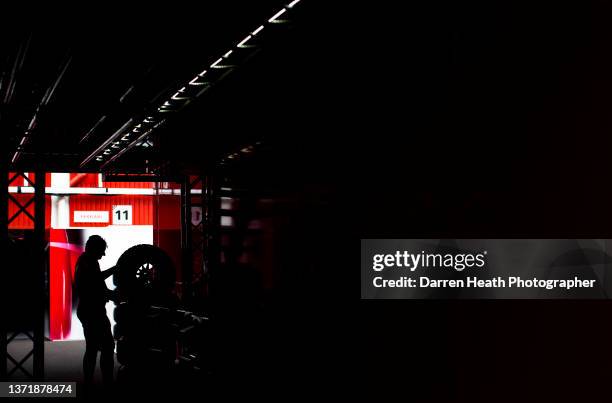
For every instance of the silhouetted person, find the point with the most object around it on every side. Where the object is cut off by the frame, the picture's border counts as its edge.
(93, 295)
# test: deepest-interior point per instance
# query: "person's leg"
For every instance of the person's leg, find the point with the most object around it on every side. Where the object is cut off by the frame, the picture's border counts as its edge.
(89, 364)
(91, 353)
(107, 354)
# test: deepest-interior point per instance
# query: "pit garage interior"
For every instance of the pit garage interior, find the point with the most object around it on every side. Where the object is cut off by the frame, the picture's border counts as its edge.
(186, 130)
(255, 143)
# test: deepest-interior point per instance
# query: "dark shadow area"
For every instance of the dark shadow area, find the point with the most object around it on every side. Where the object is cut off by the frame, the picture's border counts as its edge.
(445, 120)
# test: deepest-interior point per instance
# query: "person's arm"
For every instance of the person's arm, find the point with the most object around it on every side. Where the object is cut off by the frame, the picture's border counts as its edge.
(109, 272)
(111, 295)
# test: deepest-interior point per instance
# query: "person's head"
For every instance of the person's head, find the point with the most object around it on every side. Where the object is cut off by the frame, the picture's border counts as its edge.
(96, 246)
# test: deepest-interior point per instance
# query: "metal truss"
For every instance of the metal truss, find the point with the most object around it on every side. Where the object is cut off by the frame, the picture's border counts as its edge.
(199, 233)
(34, 331)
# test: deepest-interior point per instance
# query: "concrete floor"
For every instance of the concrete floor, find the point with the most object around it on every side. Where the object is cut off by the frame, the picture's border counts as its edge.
(63, 363)
(63, 360)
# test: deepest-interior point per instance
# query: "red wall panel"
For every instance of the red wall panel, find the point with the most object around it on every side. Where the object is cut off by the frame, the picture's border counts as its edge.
(142, 208)
(139, 185)
(22, 221)
(62, 261)
(84, 180)
(167, 210)
(21, 181)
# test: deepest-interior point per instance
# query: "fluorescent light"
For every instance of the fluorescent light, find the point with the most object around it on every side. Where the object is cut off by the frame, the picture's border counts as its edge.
(195, 81)
(175, 192)
(258, 30)
(219, 60)
(229, 52)
(281, 12)
(176, 97)
(245, 40)
(293, 3)
(126, 137)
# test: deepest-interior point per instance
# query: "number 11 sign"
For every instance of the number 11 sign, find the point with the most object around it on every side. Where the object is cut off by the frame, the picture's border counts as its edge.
(122, 215)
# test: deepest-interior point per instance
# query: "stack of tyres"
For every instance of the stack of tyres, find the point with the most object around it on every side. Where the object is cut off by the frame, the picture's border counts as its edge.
(144, 332)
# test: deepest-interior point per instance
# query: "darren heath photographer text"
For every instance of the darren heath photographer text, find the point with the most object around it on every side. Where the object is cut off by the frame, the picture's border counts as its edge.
(404, 260)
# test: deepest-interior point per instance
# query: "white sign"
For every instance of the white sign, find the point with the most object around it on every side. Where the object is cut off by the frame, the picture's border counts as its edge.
(122, 215)
(91, 216)
(196, 215)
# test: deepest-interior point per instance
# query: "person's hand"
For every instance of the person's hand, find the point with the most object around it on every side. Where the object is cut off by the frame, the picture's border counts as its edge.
(115, 296)
(109, 272)
(112, 295)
